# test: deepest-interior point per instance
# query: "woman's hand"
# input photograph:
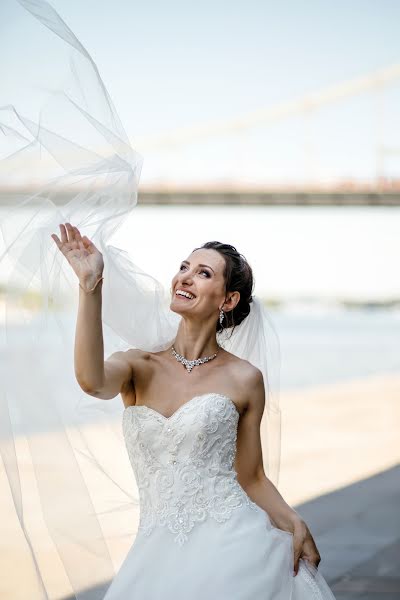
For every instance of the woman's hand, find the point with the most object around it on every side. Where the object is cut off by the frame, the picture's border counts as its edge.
(304, 545)
(83, 256)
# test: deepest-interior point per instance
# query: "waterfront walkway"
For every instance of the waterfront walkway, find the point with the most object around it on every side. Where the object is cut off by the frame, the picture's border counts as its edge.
(357, 531)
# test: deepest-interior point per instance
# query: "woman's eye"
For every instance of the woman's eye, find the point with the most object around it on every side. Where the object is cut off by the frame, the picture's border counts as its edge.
(206, 272)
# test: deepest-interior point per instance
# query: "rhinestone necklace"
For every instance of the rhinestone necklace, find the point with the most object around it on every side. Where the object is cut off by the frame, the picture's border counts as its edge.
(189, 364)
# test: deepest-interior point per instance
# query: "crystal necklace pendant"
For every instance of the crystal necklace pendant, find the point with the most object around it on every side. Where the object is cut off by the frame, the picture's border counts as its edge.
(189, 364)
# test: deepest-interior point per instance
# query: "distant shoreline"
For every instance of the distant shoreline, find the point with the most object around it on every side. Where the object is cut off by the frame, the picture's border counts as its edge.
(32, 301)
(233, 195)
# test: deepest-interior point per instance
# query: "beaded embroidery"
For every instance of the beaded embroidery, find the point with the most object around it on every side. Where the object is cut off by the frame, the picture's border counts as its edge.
(183, 464)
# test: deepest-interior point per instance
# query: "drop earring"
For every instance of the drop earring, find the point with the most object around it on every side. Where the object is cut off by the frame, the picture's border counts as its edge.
(221, 316)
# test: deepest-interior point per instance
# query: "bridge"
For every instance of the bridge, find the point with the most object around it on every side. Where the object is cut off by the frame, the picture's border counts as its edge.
(380, 189)
(271, 197)
(226, 195)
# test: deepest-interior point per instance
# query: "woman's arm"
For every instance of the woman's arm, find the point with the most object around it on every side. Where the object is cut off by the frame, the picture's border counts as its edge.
(97, 377)
(89, 345)
(251, 476)
(249, 459)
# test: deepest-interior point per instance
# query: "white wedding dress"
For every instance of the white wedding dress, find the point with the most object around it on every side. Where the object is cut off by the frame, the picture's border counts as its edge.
(200, 535)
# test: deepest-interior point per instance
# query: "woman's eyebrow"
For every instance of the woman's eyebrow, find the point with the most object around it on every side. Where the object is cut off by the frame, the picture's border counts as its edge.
(200, 265)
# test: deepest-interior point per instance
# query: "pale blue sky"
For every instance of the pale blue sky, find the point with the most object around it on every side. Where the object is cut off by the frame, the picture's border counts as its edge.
(174, 64)
(170, 65)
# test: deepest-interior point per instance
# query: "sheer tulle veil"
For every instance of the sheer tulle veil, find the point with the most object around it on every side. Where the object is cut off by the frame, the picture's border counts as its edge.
(67, 472)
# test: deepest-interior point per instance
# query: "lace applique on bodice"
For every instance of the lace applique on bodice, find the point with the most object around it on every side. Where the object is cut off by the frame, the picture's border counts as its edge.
(184, 464)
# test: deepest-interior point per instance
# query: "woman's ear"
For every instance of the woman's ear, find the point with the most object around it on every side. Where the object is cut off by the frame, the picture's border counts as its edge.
(232, 301)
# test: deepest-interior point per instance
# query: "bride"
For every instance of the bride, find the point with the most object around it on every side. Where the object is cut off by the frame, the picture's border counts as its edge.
(196, 414)
(212, 525)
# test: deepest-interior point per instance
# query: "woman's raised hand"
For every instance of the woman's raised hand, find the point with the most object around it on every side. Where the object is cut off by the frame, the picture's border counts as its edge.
(83, 256)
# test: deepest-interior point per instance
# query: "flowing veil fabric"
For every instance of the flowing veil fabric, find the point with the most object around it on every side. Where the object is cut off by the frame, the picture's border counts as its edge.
(71, 490)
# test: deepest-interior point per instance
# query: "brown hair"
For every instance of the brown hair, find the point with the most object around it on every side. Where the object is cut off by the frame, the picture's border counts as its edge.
(238, 276)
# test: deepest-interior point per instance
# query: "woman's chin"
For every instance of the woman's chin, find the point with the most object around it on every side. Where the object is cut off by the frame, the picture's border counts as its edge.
(178, 306)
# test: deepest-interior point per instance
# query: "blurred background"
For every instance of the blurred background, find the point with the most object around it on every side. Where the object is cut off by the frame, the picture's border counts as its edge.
(275, 127)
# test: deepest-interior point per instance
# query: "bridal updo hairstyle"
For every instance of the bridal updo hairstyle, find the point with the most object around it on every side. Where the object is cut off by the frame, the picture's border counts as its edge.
(238, 277)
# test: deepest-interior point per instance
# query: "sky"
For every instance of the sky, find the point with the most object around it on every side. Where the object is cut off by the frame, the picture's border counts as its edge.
(173, 65)
(179, 64)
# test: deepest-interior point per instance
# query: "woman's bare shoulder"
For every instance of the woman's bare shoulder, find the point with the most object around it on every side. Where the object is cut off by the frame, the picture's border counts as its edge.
(136, 353)
(243, 367)
(244, 375)
(138, 359)
(141, 359)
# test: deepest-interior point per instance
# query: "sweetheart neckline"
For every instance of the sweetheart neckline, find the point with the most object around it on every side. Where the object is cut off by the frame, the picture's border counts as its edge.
(183, 405)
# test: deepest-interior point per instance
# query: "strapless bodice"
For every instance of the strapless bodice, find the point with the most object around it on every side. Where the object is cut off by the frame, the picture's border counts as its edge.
(184, 464)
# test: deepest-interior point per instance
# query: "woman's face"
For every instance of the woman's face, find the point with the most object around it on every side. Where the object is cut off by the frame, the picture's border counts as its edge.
(201, 275)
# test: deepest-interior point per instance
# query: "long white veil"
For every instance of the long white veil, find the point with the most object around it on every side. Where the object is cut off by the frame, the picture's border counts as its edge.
(72, 503)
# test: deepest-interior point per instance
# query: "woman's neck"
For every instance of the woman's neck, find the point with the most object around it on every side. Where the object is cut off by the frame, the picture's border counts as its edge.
(194, 343)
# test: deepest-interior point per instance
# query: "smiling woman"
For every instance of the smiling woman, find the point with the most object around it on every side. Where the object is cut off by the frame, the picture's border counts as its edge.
(66, 451)
(230, 272)
(57, 421)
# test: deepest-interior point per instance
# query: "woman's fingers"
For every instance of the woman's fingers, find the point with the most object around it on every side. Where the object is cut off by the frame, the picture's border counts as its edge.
(89, 246)
(79, 239)
(56, 239)
(71, 235)
(297, 548)
(314, 558)
(296, 560)
(71, 232)
(63, 231)
(310, 549)
(77, 233)
(84, 242)
(299, 539)
(306, 550)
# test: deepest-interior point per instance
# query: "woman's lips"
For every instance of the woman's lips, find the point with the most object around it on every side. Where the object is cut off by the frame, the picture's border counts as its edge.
(184, 297)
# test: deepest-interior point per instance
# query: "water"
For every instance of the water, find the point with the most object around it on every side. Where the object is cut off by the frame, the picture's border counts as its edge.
(337, 346)
(326, 347)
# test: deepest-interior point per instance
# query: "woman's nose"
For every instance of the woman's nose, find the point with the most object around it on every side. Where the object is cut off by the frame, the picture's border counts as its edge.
(186, 276)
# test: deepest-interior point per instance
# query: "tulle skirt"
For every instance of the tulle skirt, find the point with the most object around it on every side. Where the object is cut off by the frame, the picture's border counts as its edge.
(244, 558)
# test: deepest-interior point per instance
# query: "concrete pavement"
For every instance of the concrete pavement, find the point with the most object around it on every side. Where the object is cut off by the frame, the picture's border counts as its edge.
(357, 531)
